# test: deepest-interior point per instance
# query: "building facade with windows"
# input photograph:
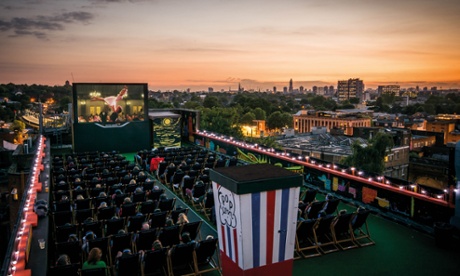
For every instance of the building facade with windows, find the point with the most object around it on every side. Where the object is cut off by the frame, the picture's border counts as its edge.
(305, 121)
(351, 88)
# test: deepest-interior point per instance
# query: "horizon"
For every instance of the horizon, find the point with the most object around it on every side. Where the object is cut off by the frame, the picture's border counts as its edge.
(259, 44)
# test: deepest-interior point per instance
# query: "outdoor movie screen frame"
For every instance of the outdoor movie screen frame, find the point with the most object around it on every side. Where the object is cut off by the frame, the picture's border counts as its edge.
(110, 116)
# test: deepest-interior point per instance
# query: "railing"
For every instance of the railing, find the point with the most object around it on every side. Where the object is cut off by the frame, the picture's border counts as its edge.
(51, 123)
(411, 200)
(19, 245)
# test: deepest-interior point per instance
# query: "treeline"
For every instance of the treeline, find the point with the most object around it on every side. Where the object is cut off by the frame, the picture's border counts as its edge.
(434, 104)
(17, 97)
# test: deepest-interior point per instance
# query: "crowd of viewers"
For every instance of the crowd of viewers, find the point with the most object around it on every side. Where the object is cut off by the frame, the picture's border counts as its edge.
(113, 118)
(88, 185)
(107, 183)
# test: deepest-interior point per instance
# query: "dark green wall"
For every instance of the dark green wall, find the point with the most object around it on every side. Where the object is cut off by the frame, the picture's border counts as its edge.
(131, 137)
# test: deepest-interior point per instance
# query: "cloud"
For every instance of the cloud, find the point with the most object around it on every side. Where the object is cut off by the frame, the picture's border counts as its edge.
(41, 25)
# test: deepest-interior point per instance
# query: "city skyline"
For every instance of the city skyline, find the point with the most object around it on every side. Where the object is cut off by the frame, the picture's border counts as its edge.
(214, 43)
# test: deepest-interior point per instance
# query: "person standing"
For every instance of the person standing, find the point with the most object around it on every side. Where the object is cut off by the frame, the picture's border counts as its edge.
(154, 163)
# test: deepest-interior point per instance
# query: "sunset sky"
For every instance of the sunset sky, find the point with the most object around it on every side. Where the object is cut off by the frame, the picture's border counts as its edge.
(179, 44)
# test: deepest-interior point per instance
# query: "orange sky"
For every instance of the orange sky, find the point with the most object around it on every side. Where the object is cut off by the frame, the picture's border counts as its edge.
(179, 44)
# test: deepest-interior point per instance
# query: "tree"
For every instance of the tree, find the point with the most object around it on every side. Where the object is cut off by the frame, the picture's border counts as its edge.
(260, 113)
(6, 113)
(211, 101)
(248, 118)
(192, 105)
(370, 158)
(287, 120)
(274, 120)
(354, 100)
(18, 127)
(221, 120)
(64, 102)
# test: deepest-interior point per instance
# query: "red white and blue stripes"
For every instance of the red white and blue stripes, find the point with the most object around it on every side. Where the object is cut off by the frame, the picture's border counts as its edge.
(264, 230)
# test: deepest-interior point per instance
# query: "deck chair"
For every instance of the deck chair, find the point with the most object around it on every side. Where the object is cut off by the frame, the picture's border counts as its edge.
(128, 209)
(155, 262)
(232, 162)
(181, 259)
(139, 197)
(207, 205)
(147, 185)
(177, 180)
(99, 199)
(175, 213)
(158, 219)
(105, 213)
(147, 207)
(361, 234)
(63, 232)
(130, 188)
(83, 204)
(187, 184)
(167, 176)
(309, 195)
(198, 193)
(193, 228)
(155, 194)
(113, 225)
(71, 249)
(95, 272)
(169, 235)
(161, 168)
(342, 232)
(331, 206)
(94, 192)
(128, 264)
(93, 226)
(68, 270)
(303, 208)
(314, 208)
(135, 222)
(324, 235)
(205, 261)
(118, 201)
(104, 245)
(121, 242)
(61, 218)
(141, 178)
(82, 215)
(145, 239)
(306, 243)
(167, 204)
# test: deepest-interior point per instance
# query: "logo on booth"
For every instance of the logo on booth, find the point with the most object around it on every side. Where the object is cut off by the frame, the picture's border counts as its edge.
(226, 207)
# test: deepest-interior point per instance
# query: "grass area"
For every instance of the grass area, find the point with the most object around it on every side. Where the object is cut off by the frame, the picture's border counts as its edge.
(399, 250)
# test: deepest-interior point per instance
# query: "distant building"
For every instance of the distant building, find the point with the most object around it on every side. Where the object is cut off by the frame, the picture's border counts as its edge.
(210, 89)
(274, 89)
(388, 89)
(447, 127)
(285, 89)
(305, 121)
(351, 88)
(331, 90)
(291, 87)
(301, 89)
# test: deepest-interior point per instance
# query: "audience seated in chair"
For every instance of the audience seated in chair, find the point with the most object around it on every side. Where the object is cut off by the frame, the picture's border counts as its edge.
(94, 260)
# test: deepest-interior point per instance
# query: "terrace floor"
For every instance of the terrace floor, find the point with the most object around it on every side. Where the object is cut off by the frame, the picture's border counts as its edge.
(399, 250)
